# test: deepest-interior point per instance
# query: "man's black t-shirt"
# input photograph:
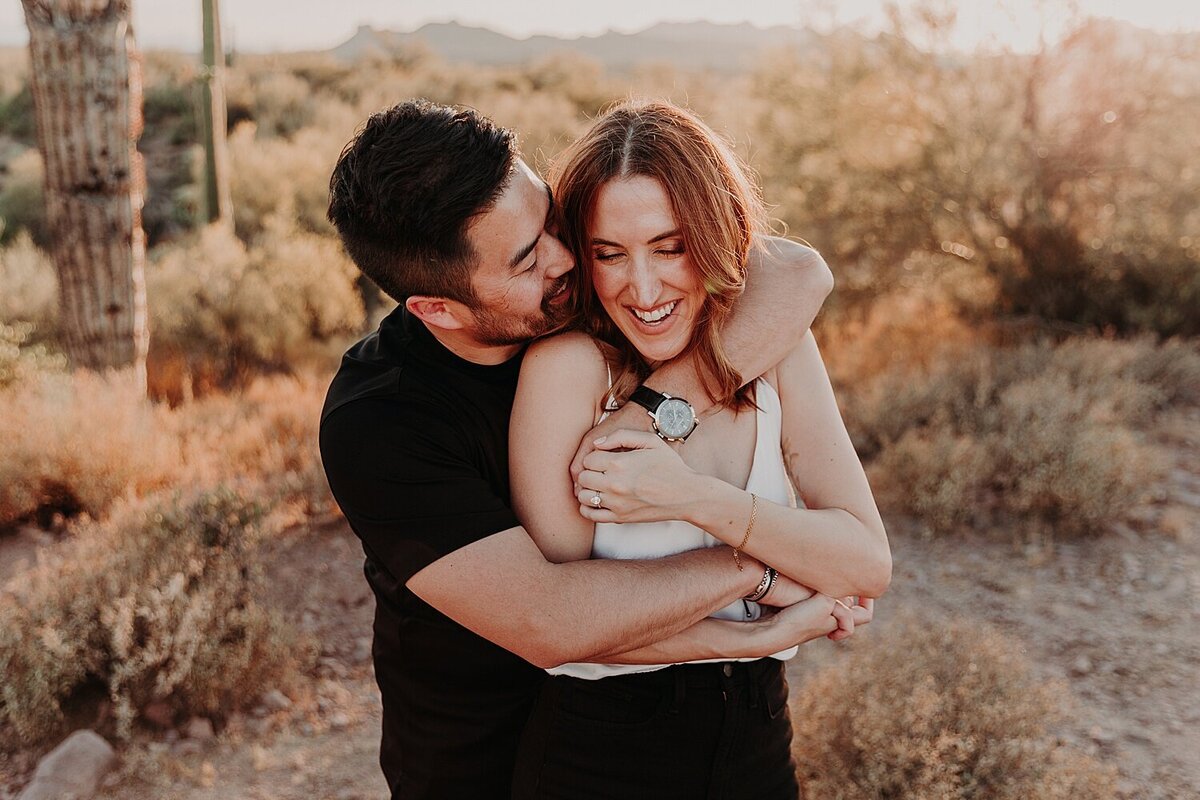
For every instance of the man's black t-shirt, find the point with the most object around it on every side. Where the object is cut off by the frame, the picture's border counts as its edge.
(414, 442)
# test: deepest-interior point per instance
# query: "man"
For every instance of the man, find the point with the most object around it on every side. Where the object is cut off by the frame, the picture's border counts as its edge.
(436, 207)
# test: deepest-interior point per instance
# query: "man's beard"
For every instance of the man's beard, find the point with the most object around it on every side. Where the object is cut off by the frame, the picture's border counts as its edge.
(498, 330)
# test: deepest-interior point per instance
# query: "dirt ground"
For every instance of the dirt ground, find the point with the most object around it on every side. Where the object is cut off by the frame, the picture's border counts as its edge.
(1113, 618)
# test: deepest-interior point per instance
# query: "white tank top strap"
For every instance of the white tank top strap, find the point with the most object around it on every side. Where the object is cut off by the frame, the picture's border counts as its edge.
(608, 408)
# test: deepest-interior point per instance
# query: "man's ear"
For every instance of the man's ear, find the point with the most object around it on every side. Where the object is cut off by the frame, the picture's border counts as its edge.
(439, 312)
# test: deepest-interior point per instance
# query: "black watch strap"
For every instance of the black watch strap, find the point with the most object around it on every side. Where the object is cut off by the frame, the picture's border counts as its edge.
(647, 398)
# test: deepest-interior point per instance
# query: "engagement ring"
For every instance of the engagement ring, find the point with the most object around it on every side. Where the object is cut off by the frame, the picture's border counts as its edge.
(596, 500)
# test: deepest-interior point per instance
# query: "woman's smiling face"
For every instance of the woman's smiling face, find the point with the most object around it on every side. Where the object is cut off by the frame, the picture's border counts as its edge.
(641, 270)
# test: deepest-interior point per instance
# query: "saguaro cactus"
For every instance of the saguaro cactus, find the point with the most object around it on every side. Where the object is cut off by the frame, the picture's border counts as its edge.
(217, 202)
(87, 93)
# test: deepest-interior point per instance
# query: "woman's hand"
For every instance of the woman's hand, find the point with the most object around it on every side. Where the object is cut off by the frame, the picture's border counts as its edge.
(798, 623)
(637, 478)
(850, 613)
(819, 615)
(629, 417)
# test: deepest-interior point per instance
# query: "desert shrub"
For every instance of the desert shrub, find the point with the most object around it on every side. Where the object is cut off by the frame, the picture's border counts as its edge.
(1043, 453)
(79, 443)
(170, 107)
(1062, 177)
(28, 285)
(75, 443)
(16, 114)
(959, 715)
(575, 77)
(20, 359)
(1049, 433)
(283, 103)
(156, 605)
(901, 331)
(21, 204)
(1121, 381)
(265, 434)
(275, 177)
(1170, 370)
(277, 304)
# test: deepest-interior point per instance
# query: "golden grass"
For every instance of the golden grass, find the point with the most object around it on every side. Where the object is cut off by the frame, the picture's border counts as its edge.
(79, 442)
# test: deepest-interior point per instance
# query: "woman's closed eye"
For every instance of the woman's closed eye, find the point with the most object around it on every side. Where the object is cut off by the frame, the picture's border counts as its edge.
(666, 252)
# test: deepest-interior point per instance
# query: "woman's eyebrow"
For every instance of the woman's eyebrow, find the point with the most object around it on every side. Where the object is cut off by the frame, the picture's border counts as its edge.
(667, 235)
(659, 238)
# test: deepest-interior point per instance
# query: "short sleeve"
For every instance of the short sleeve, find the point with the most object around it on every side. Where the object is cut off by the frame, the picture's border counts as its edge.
(409, 484)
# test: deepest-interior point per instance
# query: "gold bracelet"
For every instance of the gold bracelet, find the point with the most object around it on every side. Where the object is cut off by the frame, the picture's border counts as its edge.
(737, 551)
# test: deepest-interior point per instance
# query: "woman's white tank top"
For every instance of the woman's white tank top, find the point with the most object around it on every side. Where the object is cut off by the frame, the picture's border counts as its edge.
(637, 540)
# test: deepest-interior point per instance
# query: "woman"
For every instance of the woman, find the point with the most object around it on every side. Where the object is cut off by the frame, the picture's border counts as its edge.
(661, 218)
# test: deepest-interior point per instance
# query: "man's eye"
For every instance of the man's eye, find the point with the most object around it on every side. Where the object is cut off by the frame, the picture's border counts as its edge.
(532, 266)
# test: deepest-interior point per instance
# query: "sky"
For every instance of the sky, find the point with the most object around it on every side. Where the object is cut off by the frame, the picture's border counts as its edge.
(258, 25)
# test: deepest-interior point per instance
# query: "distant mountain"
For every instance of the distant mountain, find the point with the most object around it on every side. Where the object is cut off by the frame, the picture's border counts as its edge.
(702, 45)
(691, 45)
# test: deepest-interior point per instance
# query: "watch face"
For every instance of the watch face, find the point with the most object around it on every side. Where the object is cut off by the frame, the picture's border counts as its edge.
(675, 418)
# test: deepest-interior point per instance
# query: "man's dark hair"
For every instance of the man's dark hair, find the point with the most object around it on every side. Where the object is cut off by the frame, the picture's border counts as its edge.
(406, 187)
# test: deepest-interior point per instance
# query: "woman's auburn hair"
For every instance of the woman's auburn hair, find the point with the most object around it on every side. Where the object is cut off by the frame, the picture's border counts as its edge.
(716, 204)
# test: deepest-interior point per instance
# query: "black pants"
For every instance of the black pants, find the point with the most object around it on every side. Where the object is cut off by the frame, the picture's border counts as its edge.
(693, 732)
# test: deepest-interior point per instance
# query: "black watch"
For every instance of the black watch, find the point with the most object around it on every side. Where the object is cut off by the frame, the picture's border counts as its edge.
(674, 418)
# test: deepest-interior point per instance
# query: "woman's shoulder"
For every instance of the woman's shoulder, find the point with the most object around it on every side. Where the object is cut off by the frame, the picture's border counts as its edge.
(572, 346)
(567, 367)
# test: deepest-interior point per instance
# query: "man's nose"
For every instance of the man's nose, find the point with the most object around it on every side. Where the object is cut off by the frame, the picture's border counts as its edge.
(562, 261)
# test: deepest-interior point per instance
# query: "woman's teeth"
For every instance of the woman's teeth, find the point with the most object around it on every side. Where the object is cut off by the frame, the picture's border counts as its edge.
(655, 315)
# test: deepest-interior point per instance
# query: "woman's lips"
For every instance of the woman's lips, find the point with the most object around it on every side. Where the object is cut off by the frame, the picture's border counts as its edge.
(657, 324)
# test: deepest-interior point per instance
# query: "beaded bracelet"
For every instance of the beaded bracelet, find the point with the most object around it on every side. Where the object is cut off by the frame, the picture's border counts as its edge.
(764, 586)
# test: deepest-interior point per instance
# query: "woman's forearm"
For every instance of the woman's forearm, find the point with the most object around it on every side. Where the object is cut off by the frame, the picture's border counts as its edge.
(828, 549)
(707, 639)
(800, 622)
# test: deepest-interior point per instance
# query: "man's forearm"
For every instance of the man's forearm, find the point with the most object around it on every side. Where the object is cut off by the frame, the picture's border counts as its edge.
(787, 284)
(505, 590)
(800, 622)
(623, 606)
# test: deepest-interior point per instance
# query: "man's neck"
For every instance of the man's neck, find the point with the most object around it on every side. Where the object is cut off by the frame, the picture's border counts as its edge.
(468, 349)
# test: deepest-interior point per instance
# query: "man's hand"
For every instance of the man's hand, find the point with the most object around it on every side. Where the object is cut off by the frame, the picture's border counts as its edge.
(630, 417)
(648, 482)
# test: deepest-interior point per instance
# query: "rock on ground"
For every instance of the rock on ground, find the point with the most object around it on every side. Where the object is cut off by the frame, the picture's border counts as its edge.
(199, 728)
(74, 768)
